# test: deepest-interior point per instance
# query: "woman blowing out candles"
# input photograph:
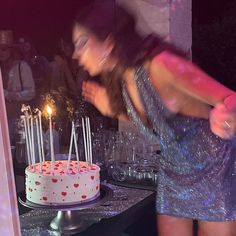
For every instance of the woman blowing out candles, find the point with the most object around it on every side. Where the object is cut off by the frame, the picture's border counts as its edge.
(152, 84)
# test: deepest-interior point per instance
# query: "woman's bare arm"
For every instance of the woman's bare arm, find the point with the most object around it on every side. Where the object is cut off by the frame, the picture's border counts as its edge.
(192, 81)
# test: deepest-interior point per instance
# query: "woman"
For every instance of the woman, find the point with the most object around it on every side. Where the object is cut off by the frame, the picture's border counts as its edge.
(168, 98)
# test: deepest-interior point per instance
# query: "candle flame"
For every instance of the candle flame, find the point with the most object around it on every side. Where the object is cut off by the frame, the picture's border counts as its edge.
(49, 110)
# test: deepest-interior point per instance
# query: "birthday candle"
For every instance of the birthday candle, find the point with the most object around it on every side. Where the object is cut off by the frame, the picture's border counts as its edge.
(32, 138)
(41, 135)
(70, 148)
(90, 141)
(39, 146)
(76, 148)
(85, 141)
(27, 139)
(49, 110)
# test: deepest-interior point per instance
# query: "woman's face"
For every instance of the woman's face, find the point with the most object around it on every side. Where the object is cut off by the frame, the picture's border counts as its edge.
(89, 51)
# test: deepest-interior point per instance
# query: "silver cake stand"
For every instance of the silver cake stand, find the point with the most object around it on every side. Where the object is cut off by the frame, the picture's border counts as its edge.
(68, 220)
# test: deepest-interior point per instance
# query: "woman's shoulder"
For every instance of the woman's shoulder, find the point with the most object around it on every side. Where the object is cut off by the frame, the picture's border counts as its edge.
(168, 60)
(167, 56)
(162, 66)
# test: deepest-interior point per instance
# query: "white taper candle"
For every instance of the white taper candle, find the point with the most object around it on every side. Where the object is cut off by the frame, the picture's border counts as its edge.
(76, 148)
(39, 144)
(32, 139)
(70, 148)
(49, 110)
(90, 141)
(41, 135)
(26, 139)
(29, 138)
(85, 141)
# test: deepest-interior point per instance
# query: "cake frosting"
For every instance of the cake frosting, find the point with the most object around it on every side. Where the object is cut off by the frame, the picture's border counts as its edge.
(62, 187)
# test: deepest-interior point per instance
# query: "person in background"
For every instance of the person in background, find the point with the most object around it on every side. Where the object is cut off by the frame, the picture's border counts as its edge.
(39, 66)
(18, 82)
(63, 69)
(168, 98)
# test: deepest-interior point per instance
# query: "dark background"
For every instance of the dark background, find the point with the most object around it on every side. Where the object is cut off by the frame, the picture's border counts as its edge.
(214, 39)
(44, 21)
(214, 34)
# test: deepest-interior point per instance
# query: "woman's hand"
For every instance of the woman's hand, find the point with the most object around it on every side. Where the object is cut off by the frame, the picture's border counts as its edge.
(97, 95)
(223, 121)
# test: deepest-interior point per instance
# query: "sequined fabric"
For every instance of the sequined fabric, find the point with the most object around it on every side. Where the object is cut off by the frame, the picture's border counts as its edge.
(197, 171)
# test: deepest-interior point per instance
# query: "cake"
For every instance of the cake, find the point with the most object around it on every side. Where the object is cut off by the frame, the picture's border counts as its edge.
(62, 187)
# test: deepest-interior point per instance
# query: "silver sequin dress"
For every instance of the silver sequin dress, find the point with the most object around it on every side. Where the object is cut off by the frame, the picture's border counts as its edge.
(197, 171)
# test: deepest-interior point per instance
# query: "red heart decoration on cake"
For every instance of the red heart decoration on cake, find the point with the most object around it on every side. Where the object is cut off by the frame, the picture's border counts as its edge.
(37, 183)
(96, 187)
(92, 177)
(63, 193)
(76, 185)
(45, 198)
(93, 168)
(84, 196)
(54, 180)
(62, 172)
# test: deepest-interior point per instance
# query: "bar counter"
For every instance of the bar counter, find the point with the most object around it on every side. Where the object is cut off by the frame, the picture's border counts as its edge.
(114, 216)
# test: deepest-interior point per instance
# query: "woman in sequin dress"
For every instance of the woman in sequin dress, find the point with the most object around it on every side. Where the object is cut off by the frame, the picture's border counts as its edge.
(170, 99)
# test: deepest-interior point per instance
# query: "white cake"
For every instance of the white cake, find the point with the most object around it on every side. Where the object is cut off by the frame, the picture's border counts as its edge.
(62, 187)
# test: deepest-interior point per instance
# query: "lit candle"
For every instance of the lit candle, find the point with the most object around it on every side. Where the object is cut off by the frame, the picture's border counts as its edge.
(49, 111)
(41, 135)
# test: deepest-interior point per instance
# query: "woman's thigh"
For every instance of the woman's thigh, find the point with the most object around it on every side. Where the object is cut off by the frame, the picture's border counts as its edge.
(174, 226)
(206, 228)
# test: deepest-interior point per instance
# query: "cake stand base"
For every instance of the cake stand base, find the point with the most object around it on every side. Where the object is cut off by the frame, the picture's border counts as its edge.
(68, 220)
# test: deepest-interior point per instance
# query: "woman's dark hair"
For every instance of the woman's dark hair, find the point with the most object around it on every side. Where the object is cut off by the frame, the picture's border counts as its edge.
(106, 19)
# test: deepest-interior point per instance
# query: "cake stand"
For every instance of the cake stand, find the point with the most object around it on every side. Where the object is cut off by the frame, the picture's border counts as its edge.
(68, 220)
